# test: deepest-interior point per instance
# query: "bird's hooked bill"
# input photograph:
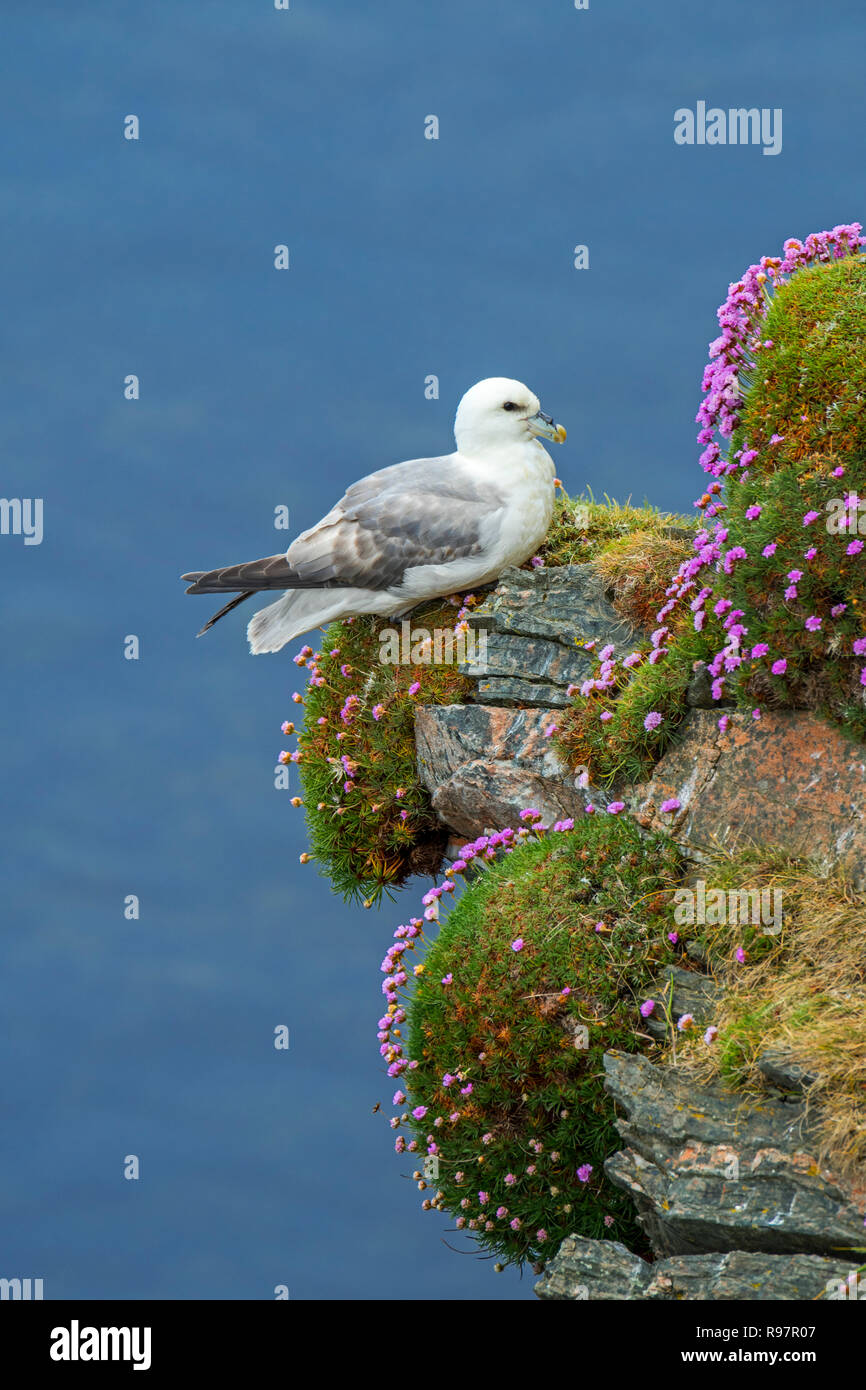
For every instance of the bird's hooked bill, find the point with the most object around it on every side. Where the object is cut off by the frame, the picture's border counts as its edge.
(547, 428)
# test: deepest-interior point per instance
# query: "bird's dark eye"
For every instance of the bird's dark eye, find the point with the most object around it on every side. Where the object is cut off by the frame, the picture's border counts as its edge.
(509, 405)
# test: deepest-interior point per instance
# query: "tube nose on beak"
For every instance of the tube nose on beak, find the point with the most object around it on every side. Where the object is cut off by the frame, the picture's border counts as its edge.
(545, 427)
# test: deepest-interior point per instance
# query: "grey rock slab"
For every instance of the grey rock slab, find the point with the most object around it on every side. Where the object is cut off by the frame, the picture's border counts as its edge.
(584, 1269)
(711, 1170)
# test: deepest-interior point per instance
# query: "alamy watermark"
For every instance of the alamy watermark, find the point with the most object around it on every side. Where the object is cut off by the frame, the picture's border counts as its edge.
(736, 126)
(736, 907)
(23, 1289)
(421, 646)
(22, 516)
(843, 1290)
(846, 516)
(77, 1343)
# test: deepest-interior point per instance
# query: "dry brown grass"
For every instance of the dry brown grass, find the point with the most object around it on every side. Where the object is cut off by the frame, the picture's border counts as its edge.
(638, 568)
(802, 993)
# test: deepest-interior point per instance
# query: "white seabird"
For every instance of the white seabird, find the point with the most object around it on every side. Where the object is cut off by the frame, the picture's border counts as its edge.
(412, 531)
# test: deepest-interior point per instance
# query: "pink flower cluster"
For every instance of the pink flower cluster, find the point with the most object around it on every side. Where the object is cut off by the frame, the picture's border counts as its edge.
(741, 319)
(393, 966)
(732, 357)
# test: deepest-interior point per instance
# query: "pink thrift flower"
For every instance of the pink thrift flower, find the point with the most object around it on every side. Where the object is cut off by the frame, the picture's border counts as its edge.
(517, 944)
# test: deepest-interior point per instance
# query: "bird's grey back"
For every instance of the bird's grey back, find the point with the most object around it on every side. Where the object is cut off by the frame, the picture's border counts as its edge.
(421, 512)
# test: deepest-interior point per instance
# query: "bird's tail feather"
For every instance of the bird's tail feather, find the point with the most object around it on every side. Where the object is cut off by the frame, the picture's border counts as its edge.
(273, 572)
(302, 610)
(227, 608)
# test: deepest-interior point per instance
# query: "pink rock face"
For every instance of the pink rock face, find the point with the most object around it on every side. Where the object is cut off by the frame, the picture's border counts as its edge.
(484, 764)
(787, 780)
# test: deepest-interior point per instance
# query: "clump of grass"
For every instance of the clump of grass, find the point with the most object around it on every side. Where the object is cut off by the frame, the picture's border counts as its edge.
(370, 822)
(539, 969)
(637, 569)
(582, 528)
(635, 550)
(800, 991)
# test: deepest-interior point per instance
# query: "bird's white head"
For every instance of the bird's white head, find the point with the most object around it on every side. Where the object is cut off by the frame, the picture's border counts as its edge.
(497, 412)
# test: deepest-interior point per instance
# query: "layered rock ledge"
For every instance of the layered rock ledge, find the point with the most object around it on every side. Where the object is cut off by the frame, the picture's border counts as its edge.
(787, 780)
(711, 1170)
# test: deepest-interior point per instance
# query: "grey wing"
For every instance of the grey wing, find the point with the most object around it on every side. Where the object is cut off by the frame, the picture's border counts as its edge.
(422, 512)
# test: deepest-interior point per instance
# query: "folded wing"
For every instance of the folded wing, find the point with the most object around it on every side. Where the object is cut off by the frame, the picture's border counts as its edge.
(422, 512)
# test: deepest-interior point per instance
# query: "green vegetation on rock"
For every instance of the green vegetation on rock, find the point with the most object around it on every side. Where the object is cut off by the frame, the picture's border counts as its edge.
(539, 969)
(369, 818)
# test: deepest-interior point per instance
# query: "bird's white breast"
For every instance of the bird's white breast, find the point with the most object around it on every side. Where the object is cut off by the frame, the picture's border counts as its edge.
(525, 476)
(522, 477)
